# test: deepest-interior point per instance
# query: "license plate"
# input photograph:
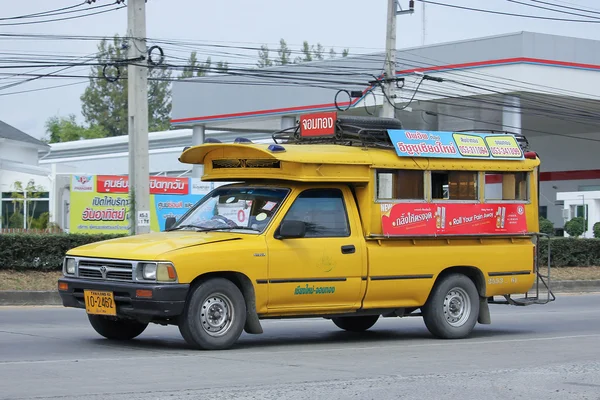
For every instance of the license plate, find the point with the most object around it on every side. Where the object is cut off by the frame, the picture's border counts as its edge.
(98, 302)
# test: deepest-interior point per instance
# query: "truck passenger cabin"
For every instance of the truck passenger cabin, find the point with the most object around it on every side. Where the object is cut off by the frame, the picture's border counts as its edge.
(347, 218)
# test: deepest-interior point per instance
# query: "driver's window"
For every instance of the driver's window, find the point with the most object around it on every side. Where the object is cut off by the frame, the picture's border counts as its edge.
(323, 211)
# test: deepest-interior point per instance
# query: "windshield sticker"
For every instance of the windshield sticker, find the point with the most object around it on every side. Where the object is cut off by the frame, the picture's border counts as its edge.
(229, 200)
(261, 217)
(269, 205)
(237, 212)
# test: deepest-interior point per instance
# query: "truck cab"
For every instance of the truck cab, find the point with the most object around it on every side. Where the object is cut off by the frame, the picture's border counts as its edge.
(332, 221)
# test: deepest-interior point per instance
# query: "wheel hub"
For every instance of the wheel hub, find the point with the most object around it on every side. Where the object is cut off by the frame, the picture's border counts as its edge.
(216, 314)
(457, 307)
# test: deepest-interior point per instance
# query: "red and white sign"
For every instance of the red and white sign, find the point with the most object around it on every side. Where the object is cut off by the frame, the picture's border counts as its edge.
(158, 184)
(452, 219)
(318, 124)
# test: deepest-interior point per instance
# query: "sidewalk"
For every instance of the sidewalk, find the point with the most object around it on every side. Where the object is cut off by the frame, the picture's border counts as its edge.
(50, 298)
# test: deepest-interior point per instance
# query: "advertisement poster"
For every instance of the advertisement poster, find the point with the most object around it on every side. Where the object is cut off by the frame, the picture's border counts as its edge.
(100, 203)
(455, 145)
(452, 219)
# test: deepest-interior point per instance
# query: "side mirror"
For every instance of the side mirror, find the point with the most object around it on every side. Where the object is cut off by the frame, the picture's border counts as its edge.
(291, 230)
(170, 222)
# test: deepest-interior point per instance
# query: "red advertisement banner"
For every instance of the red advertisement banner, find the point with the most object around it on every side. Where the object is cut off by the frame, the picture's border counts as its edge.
(158, 184)
(452, 219)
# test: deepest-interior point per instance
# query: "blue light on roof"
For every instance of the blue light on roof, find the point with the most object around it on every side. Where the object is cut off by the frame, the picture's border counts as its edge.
(275, 148)
(212, 140)
(242, 140)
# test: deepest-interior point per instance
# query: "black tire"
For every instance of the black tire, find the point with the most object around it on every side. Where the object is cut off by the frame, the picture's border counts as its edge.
(440, 313)
(356, 324)
(115, 328)
(203, 323)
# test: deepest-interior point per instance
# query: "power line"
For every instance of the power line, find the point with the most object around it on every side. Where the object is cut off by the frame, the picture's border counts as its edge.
(591, 11)
(44, 13)
(65, 18)
(506, 13)
(552, 9)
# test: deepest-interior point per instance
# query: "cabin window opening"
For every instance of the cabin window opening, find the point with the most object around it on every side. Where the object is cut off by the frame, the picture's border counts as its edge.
(400, 185)
(454, 185)
(506, 186)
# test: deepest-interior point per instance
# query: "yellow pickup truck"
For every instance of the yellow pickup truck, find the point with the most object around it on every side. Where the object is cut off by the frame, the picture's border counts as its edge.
(346, 218)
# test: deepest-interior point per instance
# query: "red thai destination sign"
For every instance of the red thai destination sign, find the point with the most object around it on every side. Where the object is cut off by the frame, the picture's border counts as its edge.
(158, 184)
(318, 124)
(452, 219)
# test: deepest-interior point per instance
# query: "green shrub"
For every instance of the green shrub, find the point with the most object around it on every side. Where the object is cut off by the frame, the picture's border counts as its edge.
(546, 226)
(42, 252)
(575, 227)
(570, 252)
(597, 230)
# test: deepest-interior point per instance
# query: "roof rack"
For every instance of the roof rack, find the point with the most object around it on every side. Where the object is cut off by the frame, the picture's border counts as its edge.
(331, 128)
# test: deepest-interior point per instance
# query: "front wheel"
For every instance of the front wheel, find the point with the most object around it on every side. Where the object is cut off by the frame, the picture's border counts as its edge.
(214, 316)
(356, 324)
(452, 308)
(116, 329)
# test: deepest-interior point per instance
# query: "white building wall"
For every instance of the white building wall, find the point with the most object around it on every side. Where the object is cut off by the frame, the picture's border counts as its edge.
(574, 199)
(8, 178)
(14, 151)
(560, 153)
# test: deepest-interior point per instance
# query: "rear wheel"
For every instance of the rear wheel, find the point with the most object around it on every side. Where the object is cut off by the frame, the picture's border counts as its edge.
(356, 324)
(452, 308)
(214, 315)
(116, 329)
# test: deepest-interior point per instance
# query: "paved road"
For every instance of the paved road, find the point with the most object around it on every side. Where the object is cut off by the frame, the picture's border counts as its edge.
(537, 352)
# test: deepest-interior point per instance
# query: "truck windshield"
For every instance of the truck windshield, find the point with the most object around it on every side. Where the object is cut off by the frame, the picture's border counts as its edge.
(243, 208)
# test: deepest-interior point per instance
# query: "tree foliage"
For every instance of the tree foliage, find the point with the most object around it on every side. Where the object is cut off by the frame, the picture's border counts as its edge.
(546, 226)
(66, 129)
(104, 103)
(195, 68)
(307, 53)
(575, 227)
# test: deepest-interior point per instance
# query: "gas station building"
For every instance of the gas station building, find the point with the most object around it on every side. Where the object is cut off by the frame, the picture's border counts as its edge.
(543, 86)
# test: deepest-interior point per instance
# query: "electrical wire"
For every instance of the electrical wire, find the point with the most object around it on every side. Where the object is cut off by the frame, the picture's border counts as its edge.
(552, 9)
(65, 18)
(44, 13)
(591, 11)
(506, 13)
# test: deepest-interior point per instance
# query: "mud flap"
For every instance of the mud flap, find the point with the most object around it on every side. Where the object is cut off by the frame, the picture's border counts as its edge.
(484, 311)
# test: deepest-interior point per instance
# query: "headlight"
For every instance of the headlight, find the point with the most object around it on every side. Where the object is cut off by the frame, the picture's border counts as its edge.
(148, 271)
(159, 272)
(70, 266)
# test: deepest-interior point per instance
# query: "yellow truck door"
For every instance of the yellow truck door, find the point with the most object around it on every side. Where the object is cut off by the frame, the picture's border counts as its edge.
(322, 268)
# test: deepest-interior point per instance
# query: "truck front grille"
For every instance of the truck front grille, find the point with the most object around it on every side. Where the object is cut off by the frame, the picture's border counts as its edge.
(105, 269)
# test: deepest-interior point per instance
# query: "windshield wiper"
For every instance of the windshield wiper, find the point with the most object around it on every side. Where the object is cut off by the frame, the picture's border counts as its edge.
(243, 228)
(200, 228)
(184, 226)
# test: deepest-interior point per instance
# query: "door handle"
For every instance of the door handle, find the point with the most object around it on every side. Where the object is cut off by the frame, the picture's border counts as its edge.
(348, 249)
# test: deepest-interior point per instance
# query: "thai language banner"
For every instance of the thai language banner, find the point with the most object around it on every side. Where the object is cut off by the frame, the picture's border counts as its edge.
(452, 219)
(455, 145)
(100, 203)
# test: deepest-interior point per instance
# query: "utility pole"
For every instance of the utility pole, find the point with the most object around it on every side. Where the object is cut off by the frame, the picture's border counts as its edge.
(393, 10)
(137, 86)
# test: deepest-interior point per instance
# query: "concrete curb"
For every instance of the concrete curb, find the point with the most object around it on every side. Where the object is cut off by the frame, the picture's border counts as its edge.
(29, 298)
(52, 298)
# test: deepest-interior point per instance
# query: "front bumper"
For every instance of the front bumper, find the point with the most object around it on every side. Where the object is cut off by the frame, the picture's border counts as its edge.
(168, 300)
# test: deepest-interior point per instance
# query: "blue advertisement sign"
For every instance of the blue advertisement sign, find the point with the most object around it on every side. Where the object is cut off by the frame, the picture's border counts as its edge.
(440, 144)
(173, 205)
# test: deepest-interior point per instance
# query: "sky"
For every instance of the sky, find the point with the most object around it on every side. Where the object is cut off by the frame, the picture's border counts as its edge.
(355, 24)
